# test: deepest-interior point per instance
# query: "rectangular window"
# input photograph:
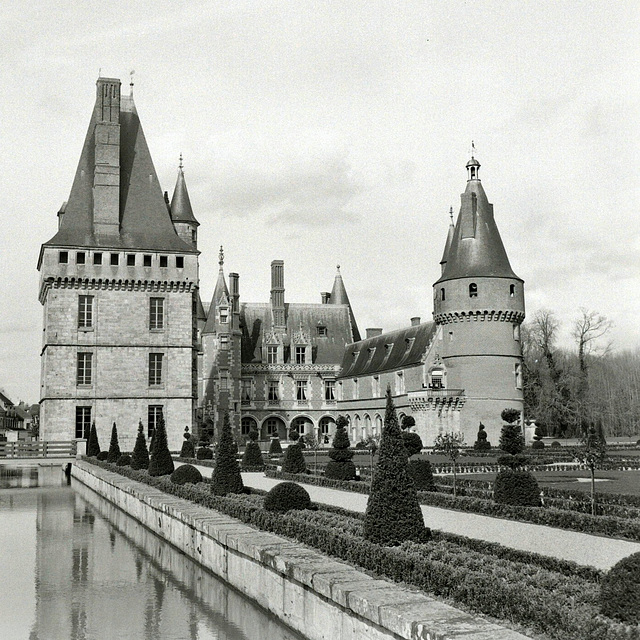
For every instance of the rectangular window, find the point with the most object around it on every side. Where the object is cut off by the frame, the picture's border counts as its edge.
(154, 415)
(245, 391)
(80, 257)
(83, 422)
(272, 355)
(85, 312)
(301, 355)
(376, 386)
(146, 260)
(131, 260)
(179, 262)
(399, 383)
(340, 391)
(63, 257)
(97, 258)
(84, 368)
(163, 261)
(322, 331)
(330, 390)
(301, 390)
(155, 369)
(224, 384)
(516, 332)
(224, 315)
(224, 343)
(356, 389)
(518, 375)
(156, 313)
(273, 393)
(115, 259)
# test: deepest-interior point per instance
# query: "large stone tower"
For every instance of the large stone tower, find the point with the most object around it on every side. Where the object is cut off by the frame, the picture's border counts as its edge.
(120, 291)
(479, 307)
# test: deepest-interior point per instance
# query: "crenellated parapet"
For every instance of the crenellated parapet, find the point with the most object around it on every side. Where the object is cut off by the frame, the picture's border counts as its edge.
(477, 315)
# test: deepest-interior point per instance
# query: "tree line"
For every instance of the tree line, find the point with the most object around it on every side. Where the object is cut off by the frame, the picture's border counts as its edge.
(569, 390)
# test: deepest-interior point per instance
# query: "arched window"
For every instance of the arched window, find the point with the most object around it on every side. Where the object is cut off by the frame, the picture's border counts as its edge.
(356, 427)
(473, 290)
(377, 428)
(518, 375)
(247, 425)
(516, 332)
(367, 426)
(512, 290)
(442, 294)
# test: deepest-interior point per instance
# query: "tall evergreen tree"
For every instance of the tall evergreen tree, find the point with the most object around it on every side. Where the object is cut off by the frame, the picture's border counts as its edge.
(161, 462)
(93, 446)
(226, 476)
(340, 467)
(393, 513)
(140, 457)
(114, 447)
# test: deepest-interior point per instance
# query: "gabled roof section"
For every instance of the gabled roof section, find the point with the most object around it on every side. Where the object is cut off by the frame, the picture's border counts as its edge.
(394, 350)
(144, 220)
(255, 323)
(339, 296)
(220, 297)
(476, 248)
(181, 210)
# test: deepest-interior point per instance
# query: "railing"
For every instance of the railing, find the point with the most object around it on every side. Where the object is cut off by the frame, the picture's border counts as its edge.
(40, 449)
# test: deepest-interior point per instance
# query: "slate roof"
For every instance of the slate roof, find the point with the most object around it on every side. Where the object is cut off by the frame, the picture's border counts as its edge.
(255, 321)
(144, 220)
(339, 296)
(369, 362)
(219, 291)
(476, 249)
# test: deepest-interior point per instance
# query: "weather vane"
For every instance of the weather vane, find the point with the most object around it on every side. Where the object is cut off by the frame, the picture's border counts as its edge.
(221, 257)
(131, 80)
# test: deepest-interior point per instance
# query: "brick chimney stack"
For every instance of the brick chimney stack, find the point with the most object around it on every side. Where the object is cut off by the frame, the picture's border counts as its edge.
(277, 293)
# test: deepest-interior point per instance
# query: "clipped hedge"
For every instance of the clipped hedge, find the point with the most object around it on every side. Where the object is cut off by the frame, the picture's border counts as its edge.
(620, 593)
(124, 460)
(204, 453)
(561, 604)
(516, 488)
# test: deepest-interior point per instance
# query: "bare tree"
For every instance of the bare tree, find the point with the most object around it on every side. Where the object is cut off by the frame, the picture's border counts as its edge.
(450, 445)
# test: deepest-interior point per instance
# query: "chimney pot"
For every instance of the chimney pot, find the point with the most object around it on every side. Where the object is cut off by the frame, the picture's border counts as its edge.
(325, 296)
(415, 321)
(373, 332)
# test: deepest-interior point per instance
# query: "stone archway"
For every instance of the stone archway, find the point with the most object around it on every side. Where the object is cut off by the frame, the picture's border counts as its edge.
(272, 427)
(302, 424)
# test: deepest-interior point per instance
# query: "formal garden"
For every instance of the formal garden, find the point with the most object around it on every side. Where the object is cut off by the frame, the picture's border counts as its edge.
(536, 594)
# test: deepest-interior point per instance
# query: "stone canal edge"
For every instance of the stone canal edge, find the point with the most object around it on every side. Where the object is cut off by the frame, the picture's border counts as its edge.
(322, 598)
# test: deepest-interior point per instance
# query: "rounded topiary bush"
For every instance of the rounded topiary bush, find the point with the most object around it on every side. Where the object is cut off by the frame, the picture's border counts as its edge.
(103, 455)
(518, 488)
(422, 474)
(204, 453)
(186, 473)
(620, 591)
(555, 445)
(124, 460)
(412, 442)
(286, 496)
(537, 444)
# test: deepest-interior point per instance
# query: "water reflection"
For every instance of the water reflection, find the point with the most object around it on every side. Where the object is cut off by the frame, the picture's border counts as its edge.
(100, 575)
(13, 476)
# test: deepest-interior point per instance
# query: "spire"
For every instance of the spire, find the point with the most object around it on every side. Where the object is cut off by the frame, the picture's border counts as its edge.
(181, 210)
(116, 200)
(219, 299)
(476, 247)
(339, 296)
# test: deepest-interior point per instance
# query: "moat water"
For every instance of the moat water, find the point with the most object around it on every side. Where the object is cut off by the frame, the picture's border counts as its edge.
(75, 568)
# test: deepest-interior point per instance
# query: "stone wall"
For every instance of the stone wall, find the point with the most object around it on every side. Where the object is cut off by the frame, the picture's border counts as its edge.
(322, 598)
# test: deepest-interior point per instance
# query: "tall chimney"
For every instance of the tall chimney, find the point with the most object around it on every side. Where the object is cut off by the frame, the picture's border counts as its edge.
(373, 332)
(325, 296)
(106, 177)
(234, 291)
(415, 321)
(277, 293)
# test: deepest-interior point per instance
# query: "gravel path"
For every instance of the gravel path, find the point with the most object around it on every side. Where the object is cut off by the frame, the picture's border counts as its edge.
(585, 549)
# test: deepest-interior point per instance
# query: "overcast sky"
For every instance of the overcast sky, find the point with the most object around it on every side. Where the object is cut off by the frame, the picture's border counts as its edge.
(338, 132)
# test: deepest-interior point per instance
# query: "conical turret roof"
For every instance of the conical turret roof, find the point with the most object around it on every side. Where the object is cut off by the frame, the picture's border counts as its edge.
(339, 296)
(476, 248)
(181, 210)
(144, 220)
(447, 246)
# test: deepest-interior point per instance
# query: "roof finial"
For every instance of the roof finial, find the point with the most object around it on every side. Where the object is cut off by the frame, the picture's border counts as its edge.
(451, 214)
(180, 165)
(473, 149)
(338, 267)
(221, 257)
(131, 82)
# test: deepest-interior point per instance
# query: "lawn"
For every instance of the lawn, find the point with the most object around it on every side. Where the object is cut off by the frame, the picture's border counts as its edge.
(625, 482)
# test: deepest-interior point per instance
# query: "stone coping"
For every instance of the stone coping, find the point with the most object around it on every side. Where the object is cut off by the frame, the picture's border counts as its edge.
(395, 610)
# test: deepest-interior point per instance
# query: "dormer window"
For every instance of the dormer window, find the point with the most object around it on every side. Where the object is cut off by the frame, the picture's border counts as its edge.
(272, 354)
(224, 315)
(371, 351)
(408, 343)
(301, 355)
(322, 330)
(473, 290)
(387, 350)
(437, 379)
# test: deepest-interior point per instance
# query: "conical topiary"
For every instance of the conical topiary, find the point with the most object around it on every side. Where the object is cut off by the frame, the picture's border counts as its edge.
(140, 457)
(393, 513)
(114, 448)
(340, 466)
(188, 450)
(252, 455)
(161, 462)
(275, 448)
(226, 476)
(93, 446)
(294, 461)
